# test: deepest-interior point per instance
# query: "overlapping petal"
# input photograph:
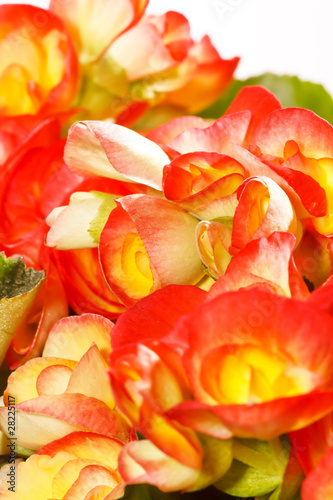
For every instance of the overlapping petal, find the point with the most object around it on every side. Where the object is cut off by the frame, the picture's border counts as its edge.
(39, 72)
(81, 464)
(142, 247)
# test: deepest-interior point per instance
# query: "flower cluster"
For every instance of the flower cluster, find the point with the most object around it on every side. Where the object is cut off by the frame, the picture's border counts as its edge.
(244, 200)
(89, 60)
(104, 59)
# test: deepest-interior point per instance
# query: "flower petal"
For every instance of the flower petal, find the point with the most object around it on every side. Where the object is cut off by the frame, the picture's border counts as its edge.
(95, 24)
(142, 462)
(154, 316)
(109, 150)
(73, 336)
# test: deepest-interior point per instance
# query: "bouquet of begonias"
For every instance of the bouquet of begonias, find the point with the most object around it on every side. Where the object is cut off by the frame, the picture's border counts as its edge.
(166, 255)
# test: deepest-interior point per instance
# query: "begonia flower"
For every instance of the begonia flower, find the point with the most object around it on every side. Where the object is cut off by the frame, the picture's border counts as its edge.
(80, 465)
(67, 389)
(245, 364)
(39, 72)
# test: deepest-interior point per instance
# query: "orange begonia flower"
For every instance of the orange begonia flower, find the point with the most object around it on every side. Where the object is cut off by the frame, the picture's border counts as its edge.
(39, 70)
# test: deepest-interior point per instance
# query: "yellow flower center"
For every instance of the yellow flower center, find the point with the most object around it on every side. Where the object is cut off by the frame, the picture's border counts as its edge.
(251, 374)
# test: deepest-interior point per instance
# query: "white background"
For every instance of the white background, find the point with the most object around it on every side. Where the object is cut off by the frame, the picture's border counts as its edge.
(282, 36)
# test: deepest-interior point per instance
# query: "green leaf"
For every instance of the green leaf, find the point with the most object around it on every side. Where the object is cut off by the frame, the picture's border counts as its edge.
(258, 468)
(217, 460)
(19, 288)
(290, 90)
(22, 452)
(15, 278)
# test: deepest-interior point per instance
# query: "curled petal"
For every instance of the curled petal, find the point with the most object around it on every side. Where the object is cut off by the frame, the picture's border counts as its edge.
(211, 77)
(165, 38)
(142, 462)
(195, 179)
(78, 410)
(263, 208)
(23, 382)
(216, 138)
(213, 241)
(264, 261)
(313, 135)
(143, 244)
(109, 150)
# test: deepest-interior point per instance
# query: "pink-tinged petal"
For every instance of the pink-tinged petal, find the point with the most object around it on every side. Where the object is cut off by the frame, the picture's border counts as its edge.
(166, 245)
(263, 208)
(95, 24)
(313, 135)
(22, 382)
(195, 179)
(165, 38)
(89, 377)
(167, 234)
(34, 431)
(216, 138)
(264, 260)
(109, 150)
(259, 101)
(142, 462)
(73, 336)
(76, 409)
(154, 316)
(87, 445)
(90, 477)
(167, 132)
(318, 485)
(53, 380)
(210, 78)
(67, 476)
(213, 242)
